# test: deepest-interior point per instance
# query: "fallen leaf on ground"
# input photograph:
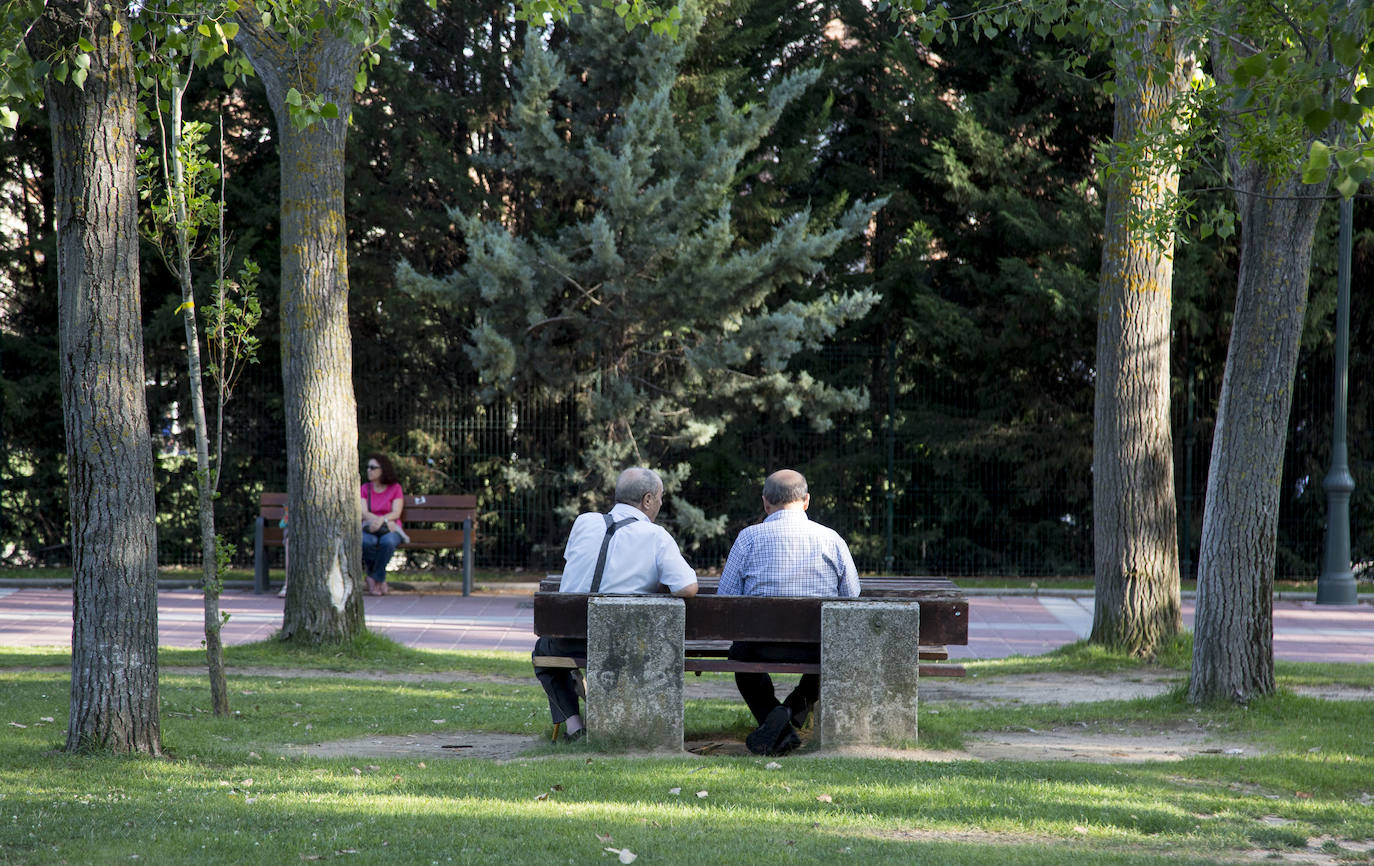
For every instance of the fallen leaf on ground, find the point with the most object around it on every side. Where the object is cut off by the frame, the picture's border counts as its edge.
(824, 798)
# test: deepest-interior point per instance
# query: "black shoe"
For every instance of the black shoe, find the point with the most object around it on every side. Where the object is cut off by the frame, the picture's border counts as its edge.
(567, 738)
(786, 744)
(775, 728)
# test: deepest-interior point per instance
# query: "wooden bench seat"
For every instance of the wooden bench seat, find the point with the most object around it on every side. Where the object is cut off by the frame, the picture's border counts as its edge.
(714, 621)
(944, 612)
(433, 521)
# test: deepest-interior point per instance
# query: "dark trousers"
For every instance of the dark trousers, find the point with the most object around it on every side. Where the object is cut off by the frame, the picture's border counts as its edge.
(757, 688)
(559, 683)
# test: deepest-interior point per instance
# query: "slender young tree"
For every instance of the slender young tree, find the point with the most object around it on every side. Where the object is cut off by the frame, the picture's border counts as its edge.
(183, 211)
(114, 689)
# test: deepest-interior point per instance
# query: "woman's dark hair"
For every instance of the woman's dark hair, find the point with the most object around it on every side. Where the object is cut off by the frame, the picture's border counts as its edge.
(388, 471)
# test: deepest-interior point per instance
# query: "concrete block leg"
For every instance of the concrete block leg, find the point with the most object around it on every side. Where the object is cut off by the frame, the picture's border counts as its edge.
(634, 672)
(869, 672)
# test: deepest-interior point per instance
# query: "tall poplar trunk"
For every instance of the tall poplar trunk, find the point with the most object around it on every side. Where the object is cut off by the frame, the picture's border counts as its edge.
(114, 691)
(1135, 517)
(324, 571)
(1233, 645)
(1233, 631)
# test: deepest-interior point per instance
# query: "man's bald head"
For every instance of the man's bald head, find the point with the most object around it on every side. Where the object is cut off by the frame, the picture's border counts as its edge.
(784, 487)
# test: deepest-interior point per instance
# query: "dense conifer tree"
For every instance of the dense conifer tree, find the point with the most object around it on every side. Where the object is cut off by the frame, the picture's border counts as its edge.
(629, 290)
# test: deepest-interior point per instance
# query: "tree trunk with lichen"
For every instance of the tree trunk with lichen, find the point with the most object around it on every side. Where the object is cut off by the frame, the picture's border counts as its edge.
(1135, 523)
(1233, 644)
(114, 688)
(324, 602)
(1233, 630)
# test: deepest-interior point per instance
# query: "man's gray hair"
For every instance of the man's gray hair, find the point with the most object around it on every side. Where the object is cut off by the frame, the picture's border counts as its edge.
(784, 486)
(635, 483)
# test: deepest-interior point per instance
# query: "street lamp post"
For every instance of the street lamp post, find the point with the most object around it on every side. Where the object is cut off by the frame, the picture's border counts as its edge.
(1336, 585)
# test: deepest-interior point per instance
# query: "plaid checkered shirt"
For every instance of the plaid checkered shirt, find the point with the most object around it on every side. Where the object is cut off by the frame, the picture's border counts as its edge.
(789, 555)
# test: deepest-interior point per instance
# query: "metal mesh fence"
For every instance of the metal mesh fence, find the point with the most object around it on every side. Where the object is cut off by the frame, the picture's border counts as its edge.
(930, 486)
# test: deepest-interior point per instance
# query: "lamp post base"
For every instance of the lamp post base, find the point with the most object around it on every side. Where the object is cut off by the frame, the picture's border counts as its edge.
(1336, 588)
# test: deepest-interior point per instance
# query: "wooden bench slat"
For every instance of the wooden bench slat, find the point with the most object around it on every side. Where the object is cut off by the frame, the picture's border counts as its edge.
(437, 515)
(944, 619)
(718, 648)
(700, 665)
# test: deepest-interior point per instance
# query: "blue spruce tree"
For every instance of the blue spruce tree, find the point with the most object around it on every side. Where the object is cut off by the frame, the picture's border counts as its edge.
(618, 280)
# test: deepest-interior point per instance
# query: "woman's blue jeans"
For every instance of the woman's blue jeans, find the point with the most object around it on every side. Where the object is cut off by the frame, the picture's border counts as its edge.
(377, 550)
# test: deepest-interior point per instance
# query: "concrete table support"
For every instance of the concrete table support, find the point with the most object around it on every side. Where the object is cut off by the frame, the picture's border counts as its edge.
(869, 672)
(634, 672)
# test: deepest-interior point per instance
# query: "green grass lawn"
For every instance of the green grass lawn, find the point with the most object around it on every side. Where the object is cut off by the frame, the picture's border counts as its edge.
(229, 790)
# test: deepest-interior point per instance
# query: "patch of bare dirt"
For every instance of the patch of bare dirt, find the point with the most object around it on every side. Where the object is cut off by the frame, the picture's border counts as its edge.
(1320, 851)
(429, 746)
(1121, 744)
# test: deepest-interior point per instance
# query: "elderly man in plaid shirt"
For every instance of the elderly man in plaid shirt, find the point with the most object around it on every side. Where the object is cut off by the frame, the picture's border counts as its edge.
(785, 555)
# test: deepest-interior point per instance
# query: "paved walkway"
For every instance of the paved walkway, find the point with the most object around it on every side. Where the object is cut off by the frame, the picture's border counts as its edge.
(999, 625)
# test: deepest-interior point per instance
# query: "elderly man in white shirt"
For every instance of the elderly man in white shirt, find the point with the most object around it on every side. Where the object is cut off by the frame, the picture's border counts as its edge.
(622, 551)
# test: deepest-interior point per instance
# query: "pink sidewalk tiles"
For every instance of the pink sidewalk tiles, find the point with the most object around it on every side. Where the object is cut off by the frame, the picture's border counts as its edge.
(999, 626)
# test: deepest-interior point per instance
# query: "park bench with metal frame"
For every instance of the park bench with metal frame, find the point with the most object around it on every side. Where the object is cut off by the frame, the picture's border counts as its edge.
(456, 514)
(713, 622)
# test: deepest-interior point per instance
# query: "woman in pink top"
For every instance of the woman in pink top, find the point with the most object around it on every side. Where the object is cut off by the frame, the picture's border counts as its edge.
(382, 503)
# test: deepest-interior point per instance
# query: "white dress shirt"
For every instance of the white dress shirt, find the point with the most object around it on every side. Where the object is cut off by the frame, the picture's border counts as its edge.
(641, 555)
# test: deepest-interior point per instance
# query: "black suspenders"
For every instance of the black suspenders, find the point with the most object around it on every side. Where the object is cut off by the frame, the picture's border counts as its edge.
(611, 527)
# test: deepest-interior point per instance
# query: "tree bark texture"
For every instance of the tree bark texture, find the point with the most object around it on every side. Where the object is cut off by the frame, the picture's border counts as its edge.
(1233, 648)
(114, 691)
(1135, 518)
(1233, 643)
(325, 566)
